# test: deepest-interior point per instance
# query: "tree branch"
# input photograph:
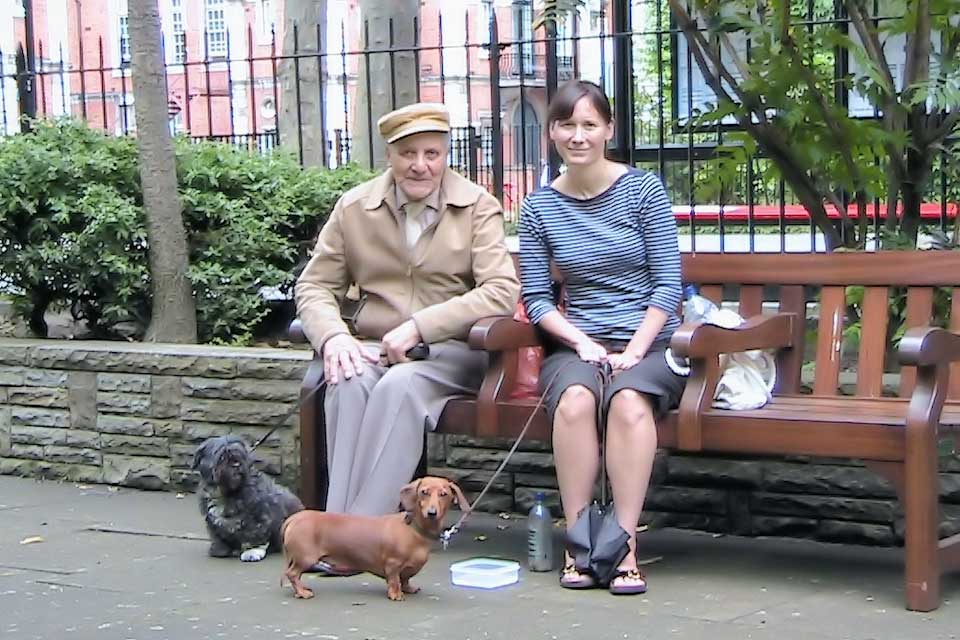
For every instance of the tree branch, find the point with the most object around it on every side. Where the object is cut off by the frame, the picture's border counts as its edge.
(917, 66)
(702, 50)
(845, 145)
(871, 41)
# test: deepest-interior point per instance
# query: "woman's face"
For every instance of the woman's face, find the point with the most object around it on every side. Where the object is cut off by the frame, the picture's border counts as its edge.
(582, 138)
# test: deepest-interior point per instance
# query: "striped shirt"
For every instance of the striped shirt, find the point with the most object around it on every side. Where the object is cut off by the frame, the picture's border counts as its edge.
(617, 254)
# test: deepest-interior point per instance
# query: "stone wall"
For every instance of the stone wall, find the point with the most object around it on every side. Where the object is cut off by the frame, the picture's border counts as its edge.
(133, 414)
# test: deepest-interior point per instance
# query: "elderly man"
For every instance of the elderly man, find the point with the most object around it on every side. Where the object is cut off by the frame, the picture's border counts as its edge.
(425, 247)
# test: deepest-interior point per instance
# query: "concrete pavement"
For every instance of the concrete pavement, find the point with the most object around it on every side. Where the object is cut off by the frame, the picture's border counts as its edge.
(119, 564)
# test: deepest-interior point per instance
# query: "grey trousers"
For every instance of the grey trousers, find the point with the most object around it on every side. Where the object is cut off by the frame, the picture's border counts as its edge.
(376, 422)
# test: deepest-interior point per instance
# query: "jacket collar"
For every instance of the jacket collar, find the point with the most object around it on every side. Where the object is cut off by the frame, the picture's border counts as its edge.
(455, 191)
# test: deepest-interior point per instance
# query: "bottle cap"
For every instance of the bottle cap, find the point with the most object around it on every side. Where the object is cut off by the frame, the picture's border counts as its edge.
(689, 290)
(539, 496)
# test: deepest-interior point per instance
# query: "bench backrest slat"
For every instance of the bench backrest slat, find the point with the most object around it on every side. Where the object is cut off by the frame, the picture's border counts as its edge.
(873, 342)
(790, 363)
(751, 300)
(712, 292)
(919, 312)
(954, 393)
(830, 340)
(881, 268)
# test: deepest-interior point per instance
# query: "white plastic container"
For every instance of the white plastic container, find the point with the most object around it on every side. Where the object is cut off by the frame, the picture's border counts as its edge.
(484, 573)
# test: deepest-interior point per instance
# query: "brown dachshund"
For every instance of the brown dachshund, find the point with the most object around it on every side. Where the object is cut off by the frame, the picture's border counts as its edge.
(394, 547)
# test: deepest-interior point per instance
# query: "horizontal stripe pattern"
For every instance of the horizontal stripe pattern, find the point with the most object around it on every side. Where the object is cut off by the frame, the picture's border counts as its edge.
(617, 254)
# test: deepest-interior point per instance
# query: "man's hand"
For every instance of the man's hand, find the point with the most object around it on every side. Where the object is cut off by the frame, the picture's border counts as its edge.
(343, 357)
(396, 343)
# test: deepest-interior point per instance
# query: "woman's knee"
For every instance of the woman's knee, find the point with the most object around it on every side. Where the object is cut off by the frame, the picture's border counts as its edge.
(577, 406)
(631, 408)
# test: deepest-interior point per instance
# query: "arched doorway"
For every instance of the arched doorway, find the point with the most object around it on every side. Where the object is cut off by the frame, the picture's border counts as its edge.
(526, 136)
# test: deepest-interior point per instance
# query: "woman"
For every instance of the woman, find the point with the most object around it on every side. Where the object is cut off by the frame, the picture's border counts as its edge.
(609, 230)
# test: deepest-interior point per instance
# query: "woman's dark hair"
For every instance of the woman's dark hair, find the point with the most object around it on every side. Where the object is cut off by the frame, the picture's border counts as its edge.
(568, 95)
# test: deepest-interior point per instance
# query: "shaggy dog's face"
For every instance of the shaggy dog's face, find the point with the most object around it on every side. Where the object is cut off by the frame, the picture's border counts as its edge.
(223, 462)
(232, 468)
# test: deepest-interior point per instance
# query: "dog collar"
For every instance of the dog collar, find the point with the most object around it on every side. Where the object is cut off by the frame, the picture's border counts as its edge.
(420, 530)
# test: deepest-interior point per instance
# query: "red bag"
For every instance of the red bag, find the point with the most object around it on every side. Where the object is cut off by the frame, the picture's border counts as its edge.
(529, 360)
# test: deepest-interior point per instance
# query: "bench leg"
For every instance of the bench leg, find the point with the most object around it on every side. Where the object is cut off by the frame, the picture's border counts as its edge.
(919, 499)
(921, 507)
(313, 441)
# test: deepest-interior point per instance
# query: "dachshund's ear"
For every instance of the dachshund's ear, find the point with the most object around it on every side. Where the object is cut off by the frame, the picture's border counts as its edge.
(408, 495)
(459, 498)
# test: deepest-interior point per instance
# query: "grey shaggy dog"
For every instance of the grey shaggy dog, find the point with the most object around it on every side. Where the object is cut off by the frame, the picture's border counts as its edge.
(242, 507)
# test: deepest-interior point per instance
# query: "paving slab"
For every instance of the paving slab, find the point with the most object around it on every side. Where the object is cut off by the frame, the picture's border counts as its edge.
(121, 564)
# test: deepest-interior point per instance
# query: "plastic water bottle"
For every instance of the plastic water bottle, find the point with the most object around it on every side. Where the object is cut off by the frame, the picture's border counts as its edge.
(539, 537)
(696, 307)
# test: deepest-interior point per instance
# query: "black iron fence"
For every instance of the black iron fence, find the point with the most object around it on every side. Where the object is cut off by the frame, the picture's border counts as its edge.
(262, 94)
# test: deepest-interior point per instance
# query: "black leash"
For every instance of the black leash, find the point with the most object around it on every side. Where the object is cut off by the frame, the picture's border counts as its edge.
(420, 351)
(448, 533)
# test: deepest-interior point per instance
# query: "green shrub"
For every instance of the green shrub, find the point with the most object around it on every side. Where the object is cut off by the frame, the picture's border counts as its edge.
(73, 232)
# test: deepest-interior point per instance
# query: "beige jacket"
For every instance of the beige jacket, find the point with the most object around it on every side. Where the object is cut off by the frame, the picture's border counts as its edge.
(458, 272)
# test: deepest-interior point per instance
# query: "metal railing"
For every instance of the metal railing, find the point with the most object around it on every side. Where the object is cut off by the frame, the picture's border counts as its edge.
(262, 95)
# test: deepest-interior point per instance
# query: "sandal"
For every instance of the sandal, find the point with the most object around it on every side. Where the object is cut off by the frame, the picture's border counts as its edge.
(573, 578)
(631, 582)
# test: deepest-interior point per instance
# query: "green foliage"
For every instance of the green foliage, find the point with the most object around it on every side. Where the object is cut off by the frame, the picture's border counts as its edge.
(73, 230)
(788, 87)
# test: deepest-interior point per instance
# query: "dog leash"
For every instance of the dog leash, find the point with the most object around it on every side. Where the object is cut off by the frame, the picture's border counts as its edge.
(420, 351)
(448, 533)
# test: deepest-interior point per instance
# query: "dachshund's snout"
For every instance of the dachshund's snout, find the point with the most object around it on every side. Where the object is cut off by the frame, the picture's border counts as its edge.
(432, 511)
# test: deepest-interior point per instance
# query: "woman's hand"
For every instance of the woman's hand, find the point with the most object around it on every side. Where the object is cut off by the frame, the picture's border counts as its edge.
(590, 351)
(623, 361)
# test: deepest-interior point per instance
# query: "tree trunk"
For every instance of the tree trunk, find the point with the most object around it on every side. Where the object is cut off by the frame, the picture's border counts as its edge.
(393, 78)
(301, 118)
(173, 317)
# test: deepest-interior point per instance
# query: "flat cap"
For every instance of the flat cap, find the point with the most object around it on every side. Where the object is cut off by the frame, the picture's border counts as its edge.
(415, 118)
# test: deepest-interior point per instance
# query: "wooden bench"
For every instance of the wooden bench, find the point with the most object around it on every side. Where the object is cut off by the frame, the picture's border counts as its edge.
(897, 437)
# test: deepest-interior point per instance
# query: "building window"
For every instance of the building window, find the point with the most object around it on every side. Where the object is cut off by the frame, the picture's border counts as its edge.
(523, 31)
(124, 40)
(265, 20)
(126, 115)
(216, 28)
(179, 32)
(483, 26)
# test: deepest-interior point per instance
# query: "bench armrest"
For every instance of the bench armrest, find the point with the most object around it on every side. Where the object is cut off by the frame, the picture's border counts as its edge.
(501, 337)
(925, 346)
(759, 332)
(502, 333)
(703, 344)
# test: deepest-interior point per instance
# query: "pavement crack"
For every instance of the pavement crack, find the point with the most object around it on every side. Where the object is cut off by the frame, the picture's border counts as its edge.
(56, 572)
(147, 534)
(71, 585)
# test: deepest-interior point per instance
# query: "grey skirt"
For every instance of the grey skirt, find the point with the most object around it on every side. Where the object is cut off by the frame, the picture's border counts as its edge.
(563, 368)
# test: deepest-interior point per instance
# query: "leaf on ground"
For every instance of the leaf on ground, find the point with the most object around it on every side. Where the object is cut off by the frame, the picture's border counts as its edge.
(480, 538)
(32, 540)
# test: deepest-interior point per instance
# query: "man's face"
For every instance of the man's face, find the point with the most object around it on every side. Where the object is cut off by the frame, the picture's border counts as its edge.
(418, 162)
